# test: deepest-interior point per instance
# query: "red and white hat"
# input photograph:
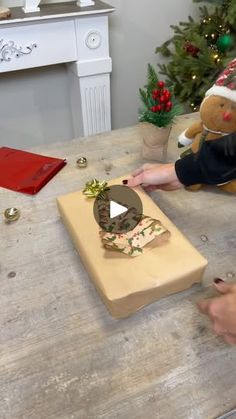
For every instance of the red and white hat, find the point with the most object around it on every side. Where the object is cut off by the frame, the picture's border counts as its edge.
(225, 85)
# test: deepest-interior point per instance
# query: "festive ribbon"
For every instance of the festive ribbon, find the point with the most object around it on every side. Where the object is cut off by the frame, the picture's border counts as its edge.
(93, 188)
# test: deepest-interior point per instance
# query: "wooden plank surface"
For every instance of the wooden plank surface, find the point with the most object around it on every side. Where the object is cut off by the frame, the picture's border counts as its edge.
(62, 356)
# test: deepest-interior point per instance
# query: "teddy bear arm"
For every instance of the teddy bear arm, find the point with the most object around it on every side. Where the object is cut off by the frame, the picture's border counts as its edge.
(187, 136)
(194, 129)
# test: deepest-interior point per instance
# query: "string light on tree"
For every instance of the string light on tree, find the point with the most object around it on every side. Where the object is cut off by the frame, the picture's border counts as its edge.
(216, 58)
(206, 19)
(193, 106)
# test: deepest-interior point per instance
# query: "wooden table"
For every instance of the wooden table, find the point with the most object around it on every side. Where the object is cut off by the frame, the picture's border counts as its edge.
(62, 356)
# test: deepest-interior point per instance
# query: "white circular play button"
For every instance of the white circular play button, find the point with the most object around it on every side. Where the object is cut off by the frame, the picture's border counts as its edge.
(118, 209)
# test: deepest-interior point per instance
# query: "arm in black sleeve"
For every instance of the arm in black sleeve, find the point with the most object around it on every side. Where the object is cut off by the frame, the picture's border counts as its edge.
(213, 164)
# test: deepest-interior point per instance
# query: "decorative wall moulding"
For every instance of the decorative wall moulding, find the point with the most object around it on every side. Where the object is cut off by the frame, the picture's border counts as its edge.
(10, 49)
(93, 39)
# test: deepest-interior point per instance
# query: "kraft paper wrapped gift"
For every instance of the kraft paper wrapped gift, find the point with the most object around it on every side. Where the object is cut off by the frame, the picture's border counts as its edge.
(125, 283)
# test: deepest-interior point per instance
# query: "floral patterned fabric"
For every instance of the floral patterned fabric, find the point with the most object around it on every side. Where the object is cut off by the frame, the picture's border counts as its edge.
(133, 242)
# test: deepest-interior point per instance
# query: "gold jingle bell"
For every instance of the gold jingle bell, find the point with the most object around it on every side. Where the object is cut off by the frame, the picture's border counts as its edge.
(11, 214)
(82, 162)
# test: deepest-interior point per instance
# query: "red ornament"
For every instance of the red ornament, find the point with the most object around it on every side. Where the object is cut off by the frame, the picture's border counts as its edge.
(153, 108)
(158, 108)
(191, 49)
(161, 84)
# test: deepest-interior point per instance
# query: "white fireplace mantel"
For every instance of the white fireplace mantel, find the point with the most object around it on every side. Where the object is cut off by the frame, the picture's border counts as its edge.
(65, 33)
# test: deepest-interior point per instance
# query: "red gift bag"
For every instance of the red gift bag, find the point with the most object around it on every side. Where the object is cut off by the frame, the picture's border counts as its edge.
(26, 172)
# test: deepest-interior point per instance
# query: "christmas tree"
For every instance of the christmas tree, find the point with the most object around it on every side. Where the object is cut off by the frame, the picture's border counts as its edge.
(199, 51)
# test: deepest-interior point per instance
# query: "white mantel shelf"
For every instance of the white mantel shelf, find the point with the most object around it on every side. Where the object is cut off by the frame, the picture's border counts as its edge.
(56, 10)
(70, 34)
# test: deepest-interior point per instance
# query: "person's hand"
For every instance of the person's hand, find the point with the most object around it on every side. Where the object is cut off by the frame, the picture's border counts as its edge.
(154, 176)
(222, 311)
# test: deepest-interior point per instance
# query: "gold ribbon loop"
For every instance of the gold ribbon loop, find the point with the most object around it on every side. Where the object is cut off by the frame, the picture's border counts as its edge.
(93, 188)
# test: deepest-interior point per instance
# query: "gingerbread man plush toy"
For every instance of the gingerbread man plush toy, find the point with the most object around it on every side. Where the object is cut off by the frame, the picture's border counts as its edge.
(217, 117)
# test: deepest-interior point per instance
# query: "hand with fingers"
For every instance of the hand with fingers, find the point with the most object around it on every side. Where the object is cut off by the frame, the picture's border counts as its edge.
(222, 311)
(154, 176)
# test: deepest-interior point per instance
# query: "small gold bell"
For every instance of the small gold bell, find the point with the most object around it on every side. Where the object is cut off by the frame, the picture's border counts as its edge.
(82, 162)
(11, 214)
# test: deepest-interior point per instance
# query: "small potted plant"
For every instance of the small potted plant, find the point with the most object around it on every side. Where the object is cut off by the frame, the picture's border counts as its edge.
(156, 117)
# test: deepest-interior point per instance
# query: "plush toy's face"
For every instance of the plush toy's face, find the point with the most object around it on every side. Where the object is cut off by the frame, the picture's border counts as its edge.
(218, 114)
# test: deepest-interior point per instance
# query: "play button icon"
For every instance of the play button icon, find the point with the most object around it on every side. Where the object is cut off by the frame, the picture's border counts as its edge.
(118, 209)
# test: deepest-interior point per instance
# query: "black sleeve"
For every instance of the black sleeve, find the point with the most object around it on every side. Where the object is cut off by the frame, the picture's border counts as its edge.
(213, 164)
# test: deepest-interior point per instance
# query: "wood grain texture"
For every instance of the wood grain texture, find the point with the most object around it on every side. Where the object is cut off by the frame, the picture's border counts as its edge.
(61, 354)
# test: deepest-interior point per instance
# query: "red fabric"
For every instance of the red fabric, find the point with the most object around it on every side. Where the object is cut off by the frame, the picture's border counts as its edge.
(26, 172)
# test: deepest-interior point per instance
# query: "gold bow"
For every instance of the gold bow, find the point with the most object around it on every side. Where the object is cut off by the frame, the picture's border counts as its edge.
(93, 188)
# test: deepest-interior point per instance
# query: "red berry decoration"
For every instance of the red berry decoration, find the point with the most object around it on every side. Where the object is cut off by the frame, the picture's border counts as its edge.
(161, 84)
(169, 104)
(167, 94)
(156, 92)
(162, 99)
(159, 107)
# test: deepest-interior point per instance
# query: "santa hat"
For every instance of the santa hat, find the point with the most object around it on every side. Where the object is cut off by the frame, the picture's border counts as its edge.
(225, 85)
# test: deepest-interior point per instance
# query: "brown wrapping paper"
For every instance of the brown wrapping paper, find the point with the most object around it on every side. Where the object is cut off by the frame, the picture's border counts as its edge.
(127, 284)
